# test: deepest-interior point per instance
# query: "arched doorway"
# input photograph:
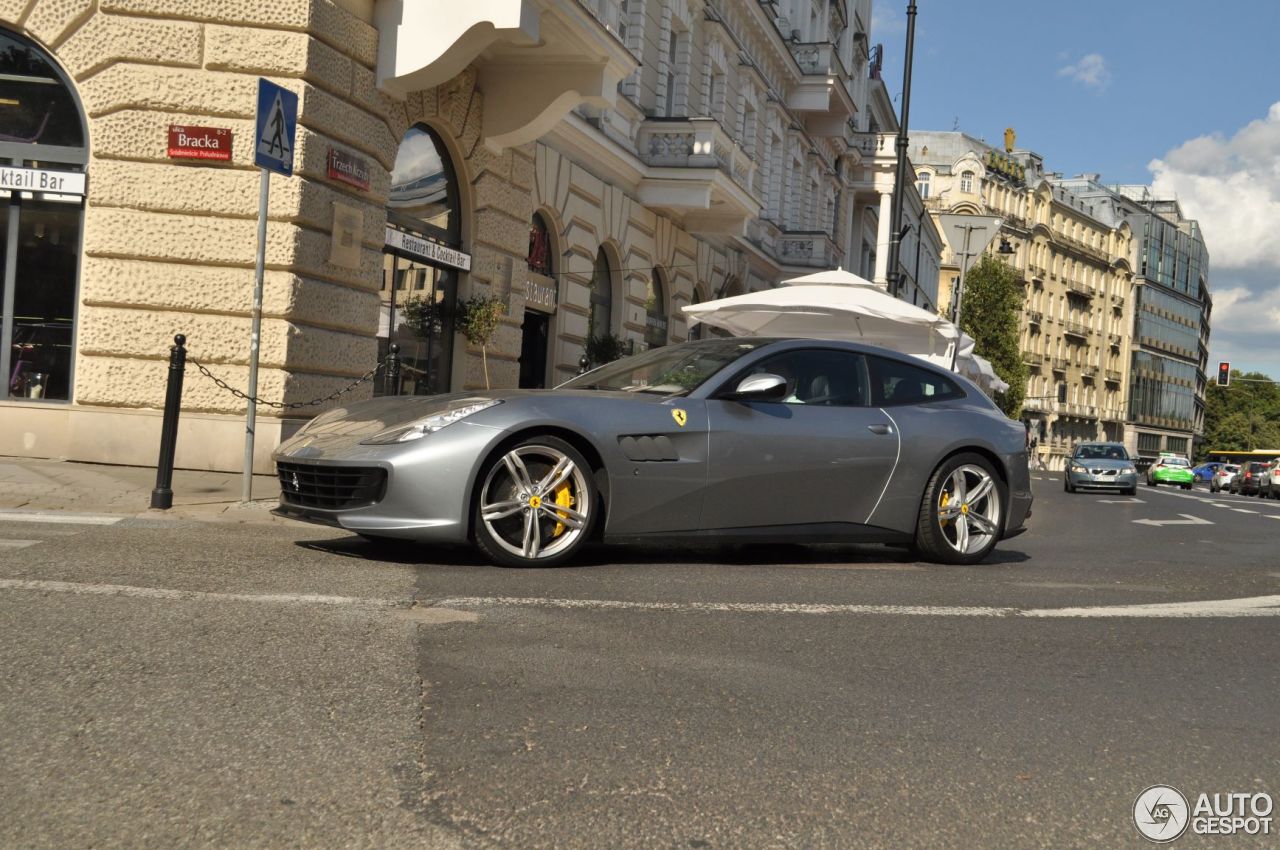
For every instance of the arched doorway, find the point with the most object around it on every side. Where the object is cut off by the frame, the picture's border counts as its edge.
(422, 260)
(43, 155)
(541, 295)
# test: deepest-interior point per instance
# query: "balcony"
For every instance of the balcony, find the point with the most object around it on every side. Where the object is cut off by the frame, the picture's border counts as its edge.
(1034, 317)
(1089, 371)
(1033, 403)
(1114, 340)
(1113, 376)
(814, 249)
(1117, 301)
(1031, 358)
(537, 60)
(1084, 411)
(1060, 364)
(698, 173)
(1078, 329)
(882, 145)
(1076, 287)
(822, 92)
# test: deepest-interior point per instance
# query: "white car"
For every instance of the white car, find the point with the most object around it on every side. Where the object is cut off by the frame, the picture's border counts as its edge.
(1221, 479)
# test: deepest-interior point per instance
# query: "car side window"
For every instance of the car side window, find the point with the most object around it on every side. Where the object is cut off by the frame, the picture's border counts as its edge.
(819, 376)
(894, 382)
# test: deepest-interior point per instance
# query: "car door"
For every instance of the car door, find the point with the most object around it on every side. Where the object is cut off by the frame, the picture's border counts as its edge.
(820, 455)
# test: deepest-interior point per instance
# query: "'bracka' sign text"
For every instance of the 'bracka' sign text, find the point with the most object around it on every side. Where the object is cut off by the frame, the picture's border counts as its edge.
(425, 249)
(188, 142)
(348, 168)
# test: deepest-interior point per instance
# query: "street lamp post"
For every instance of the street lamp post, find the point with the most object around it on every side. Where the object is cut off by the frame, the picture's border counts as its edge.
(900, 172)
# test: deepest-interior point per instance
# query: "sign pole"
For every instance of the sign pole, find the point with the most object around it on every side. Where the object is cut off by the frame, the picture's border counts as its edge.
(965, 256)
(255, 333)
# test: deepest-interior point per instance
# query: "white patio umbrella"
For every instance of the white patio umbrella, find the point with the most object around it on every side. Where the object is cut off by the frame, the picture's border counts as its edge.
(830, 305)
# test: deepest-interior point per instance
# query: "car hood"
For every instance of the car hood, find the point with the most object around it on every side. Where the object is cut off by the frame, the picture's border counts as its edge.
(353, 423)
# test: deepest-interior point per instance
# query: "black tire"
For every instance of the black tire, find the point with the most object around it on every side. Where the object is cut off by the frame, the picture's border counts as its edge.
(1196, 478)
(496, 485)
(1186, 486)
(1151, 482)
(932, 538)
(1066, 486)
(1129, 491)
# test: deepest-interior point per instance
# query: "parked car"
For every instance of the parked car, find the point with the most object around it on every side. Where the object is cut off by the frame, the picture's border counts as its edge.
(1204, 471)
(1222, 478)
(1100, 466)
(727, 439)
(1246, 480)
(1170, 469)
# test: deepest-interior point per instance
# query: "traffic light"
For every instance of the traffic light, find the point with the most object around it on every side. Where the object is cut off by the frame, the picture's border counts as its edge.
(1224, 373)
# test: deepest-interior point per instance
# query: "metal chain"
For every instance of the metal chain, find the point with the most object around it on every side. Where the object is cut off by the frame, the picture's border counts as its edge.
(279, 405)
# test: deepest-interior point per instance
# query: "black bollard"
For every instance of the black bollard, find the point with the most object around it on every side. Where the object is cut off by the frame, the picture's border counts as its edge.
(391, 380)
(162, 495)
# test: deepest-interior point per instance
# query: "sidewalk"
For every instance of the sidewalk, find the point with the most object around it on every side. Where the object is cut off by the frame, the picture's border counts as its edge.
(28, 484)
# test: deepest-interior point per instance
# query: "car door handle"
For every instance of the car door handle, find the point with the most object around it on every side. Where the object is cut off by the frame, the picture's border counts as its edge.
(880, 429)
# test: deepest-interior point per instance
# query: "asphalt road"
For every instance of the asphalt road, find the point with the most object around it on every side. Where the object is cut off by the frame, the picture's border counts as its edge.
(173, 684)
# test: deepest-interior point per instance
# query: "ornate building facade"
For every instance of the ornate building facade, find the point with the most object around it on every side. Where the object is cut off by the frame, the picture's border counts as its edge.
(1076, 266)
(596, 164)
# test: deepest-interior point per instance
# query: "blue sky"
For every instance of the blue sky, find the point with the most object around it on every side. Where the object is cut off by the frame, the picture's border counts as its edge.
(1165, 92)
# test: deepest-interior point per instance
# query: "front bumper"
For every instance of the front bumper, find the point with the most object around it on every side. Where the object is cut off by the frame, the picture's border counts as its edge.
(1105, 480)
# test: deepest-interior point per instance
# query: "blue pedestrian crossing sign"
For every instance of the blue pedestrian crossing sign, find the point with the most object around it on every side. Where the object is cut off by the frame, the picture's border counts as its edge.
(275, 127)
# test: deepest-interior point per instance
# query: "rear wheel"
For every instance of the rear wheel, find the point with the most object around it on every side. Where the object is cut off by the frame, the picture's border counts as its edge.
(1186, 486)
(961, 512)
(536, 504)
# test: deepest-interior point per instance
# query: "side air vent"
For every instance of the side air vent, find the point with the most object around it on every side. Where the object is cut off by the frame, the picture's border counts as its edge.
(647, 448)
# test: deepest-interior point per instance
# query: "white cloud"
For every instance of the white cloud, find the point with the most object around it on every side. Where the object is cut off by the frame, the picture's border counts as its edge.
(1091, 70)
(1232, 186)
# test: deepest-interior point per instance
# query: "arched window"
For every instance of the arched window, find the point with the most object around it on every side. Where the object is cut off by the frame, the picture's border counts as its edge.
(922, 185)
(601, 320)
(41, 127)
(655, 310)
(966, 182)
(540, 247)
(418, 304)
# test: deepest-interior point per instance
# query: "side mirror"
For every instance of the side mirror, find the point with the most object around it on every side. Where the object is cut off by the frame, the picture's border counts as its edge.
(762, 387)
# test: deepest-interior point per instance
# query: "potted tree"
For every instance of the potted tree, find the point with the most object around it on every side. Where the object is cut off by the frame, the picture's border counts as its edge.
(478, 319)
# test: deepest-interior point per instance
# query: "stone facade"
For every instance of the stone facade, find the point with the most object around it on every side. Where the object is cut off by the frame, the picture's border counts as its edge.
(711, 146)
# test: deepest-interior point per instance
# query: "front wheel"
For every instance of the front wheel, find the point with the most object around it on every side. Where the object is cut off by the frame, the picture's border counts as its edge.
(1130, 491)
(961, 512)
(536, 505)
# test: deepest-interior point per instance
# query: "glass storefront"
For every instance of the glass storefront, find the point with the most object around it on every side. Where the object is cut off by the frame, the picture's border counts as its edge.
(419, 295)
(42, 159)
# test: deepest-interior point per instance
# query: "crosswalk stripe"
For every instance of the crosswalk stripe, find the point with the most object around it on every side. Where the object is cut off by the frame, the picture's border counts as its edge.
(17, 544)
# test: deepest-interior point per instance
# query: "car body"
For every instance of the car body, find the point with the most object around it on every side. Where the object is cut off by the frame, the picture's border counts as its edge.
(1221, 479)
(1100, 466)
(1205, 471)
(1246, 481)
(695, 441)
(1269, 481)
(1171, 469)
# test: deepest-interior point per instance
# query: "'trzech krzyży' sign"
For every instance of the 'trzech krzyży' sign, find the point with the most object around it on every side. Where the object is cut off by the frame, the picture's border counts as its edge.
(348, 168)
(42, 180)
(189, 142)
(427, 250)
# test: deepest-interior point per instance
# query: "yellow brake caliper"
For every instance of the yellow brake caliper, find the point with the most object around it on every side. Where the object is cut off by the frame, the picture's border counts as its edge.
(564, 498)
(942, 505)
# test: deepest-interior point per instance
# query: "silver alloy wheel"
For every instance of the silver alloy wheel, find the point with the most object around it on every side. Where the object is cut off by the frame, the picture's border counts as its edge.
(518, 502)
(968, 509)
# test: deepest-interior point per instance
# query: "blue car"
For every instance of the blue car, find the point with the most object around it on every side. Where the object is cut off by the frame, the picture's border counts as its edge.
(1204, 472)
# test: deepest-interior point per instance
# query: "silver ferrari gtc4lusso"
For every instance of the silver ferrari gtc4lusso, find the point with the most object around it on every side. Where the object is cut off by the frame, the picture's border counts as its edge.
(723, 440)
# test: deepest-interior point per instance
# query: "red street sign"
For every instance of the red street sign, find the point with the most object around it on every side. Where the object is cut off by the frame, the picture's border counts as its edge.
(348, 168)
(188, 142)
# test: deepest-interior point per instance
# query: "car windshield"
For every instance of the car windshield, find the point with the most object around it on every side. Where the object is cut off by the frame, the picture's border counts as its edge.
(1230, 468)
(670, 370)
(1175, 461)
(1101, 453)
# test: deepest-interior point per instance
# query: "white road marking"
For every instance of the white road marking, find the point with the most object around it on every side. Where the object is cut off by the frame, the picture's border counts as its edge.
(58, 517)
(17, 544)
(1243, 511)
(1121, 502)
(454, 609)
(1258, 606)
(1187, 519)
(193, 595)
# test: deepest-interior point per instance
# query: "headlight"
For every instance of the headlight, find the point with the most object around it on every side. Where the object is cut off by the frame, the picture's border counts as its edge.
(420, 428)
(1076, 467)
(1129, 470)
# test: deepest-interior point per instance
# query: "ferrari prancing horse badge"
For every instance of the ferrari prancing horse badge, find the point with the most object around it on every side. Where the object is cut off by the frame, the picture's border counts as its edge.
(679, 416)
